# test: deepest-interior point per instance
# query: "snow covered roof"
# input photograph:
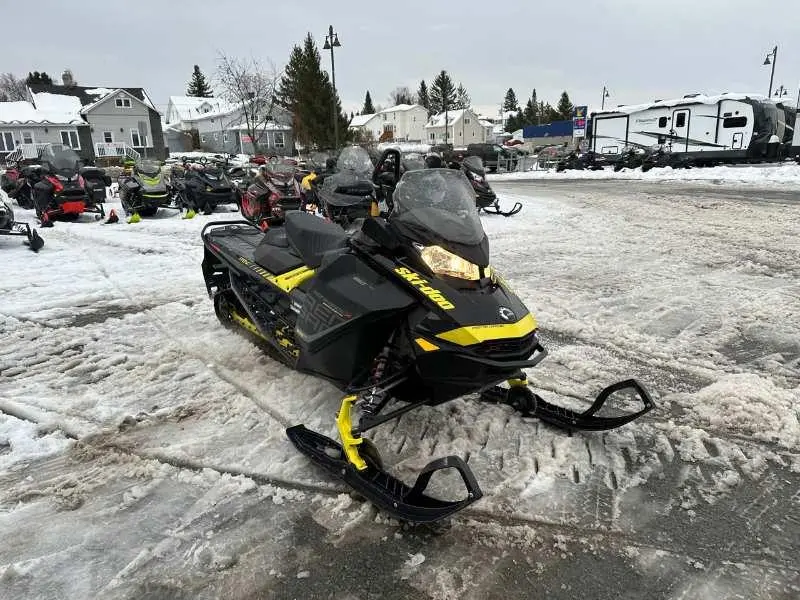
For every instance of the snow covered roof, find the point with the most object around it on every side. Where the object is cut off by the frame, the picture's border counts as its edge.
(686, 100)
(49, 109)
(192, 108)
(453, 116)
(399, 107)
(269, 126)
(486, 123)
(89, 95)
(361, 120)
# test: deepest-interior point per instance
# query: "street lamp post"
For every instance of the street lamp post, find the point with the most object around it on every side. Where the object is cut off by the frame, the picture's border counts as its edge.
(331, 42)
(605, 95)
(774, 55)
(781, 92)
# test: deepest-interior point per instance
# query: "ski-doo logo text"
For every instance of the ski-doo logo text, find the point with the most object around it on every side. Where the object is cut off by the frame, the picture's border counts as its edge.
(422, 285)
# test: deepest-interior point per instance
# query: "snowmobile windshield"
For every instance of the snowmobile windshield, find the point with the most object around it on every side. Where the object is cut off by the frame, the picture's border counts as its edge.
(474, 164)
(356, 160)
(150, 168)
(317, 160)
(282, 170)
(62, 160)
(440, 201)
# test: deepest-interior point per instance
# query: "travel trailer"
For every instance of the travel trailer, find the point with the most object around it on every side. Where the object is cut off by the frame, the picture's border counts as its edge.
(704, 129)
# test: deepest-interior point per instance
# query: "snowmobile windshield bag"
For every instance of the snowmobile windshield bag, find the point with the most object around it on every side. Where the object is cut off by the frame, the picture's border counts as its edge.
(441, 201)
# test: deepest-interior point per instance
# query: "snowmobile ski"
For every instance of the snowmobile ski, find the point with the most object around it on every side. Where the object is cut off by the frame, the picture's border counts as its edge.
(494, 209)
(529, 404)
(406, 503)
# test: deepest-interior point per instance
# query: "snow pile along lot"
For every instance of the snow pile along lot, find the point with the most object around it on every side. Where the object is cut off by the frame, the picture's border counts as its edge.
(763, 176)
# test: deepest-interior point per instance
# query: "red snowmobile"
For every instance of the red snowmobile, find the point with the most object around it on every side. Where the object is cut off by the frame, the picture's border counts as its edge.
(273, 192)
(62, 192)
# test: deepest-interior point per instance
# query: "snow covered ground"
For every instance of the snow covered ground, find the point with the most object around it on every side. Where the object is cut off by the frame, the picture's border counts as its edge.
(762, 176)
(143, 454)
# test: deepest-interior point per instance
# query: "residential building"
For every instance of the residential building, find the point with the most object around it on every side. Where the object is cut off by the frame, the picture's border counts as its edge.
(25, 128)
(463, 127)
(220, 126)
(119, 119)
(404, 122)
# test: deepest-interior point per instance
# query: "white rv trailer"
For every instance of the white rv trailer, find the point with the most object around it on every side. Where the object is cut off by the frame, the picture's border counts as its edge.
(723, 128)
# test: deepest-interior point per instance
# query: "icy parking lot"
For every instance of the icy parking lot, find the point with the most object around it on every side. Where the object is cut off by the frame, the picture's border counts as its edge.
(142, 446)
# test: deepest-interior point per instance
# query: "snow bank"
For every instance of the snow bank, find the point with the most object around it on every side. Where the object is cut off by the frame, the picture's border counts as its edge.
(765, 176)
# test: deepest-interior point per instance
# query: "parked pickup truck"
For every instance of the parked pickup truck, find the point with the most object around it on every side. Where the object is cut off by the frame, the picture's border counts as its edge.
(490, 153)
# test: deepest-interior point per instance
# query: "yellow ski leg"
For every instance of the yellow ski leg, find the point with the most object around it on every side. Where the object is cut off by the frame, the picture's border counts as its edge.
(349, 441)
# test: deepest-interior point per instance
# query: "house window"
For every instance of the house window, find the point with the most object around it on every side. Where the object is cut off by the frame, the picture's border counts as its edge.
(27, 137)
(662, 122)
(203, 139)
(70, 139)
(216, 136)
(123, 102)
(433, 136)
(680, 120)
(384, 117)
(136, 139)
(466, 120)
(224, 137)
(279, 141)
(734, 122)
(108, 137)
(6, 141)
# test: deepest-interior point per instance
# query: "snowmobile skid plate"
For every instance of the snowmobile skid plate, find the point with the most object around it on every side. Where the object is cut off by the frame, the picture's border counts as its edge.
(385, 491)
(494, 209)
(520, 397)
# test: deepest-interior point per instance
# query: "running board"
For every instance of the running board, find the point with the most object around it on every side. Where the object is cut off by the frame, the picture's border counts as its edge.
(385, 491)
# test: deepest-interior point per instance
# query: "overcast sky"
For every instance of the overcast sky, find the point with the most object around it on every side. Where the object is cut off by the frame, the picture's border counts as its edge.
(640, 49)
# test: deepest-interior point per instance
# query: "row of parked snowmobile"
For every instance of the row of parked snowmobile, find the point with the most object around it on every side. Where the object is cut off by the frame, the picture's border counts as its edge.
(631, 157)
(392, 299)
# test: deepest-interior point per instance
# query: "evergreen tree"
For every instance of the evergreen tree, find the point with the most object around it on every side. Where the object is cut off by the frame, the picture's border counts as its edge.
(37, 77)
(368, 109)
(531, 111)
(442, 94)
(510, 101)
(514, 122)
(198, 85)
(307, 92)
(564, 107)
(462, 97)
(422, 96)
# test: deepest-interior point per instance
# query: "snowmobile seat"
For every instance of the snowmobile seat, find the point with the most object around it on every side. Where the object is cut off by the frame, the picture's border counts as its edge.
(312, 237)
(274, 254)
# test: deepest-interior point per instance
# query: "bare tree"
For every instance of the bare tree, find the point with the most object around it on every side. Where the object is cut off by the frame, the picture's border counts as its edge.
(401, 95)
(251, 85)
(11, 88)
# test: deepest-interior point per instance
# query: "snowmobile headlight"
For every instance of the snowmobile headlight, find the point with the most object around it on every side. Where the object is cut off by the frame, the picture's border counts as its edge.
(209, 188)
(443, 262)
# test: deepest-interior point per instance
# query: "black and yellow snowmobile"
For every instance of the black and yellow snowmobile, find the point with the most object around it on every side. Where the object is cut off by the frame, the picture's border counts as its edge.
(404, 313)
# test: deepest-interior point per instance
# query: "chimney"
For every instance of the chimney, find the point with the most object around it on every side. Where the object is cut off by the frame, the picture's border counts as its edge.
(67, 79)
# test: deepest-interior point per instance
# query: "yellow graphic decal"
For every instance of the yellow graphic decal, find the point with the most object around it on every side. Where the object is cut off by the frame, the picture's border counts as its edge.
(287, 282)
(426, 345)
(476, 334)
(421, 284)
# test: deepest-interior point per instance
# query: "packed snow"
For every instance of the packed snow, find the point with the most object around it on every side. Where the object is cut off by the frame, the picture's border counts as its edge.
(151, 440)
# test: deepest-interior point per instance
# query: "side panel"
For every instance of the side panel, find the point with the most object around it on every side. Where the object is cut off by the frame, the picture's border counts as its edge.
(609, 134)
(735, 125)
(650, 127)
(346, 318)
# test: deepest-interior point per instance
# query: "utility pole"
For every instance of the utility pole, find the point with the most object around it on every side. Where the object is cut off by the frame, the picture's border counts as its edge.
(774, 55)
(331, 42)
(605, 95)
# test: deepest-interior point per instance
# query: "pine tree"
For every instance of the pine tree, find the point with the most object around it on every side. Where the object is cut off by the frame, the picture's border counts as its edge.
(510, 101)
(307, 92)
(368, 109)
(37, 77)
(462, 97)
(422, 96)
(564, 107)
(198, 85)
(442, 94)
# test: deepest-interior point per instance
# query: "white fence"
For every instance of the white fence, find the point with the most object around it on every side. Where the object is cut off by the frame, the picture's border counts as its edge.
(115, 150)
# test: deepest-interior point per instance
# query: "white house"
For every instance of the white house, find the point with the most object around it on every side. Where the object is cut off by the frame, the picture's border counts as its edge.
(463, 127)
(26, 127)
(404, 122)
(220, 126)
